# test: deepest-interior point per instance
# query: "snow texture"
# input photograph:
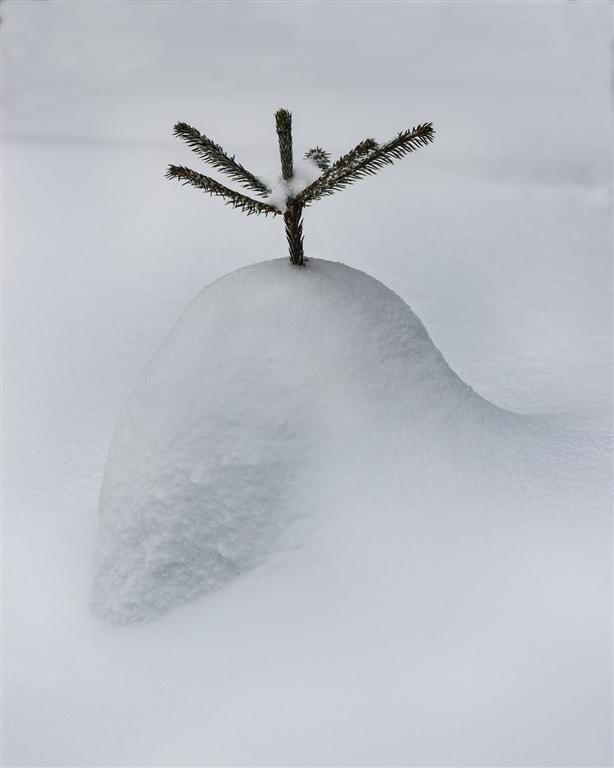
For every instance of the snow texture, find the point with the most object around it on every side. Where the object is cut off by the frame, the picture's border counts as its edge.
(270, 379)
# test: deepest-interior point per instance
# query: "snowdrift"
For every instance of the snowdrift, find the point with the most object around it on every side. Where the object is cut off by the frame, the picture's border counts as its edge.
(277, 391)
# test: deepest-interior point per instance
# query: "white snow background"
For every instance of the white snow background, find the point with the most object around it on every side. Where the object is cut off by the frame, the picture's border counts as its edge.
(466, 624)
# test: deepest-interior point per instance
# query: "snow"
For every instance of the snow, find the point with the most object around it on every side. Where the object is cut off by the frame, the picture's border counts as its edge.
(461, 613)
(264, 391)
(305, 172)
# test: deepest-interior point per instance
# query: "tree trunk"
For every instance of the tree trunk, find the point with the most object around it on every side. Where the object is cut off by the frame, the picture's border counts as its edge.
(293, 218)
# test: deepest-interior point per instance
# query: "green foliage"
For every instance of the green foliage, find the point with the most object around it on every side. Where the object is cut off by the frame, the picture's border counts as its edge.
(214, 155)
(233, 198)
(283, 123)
(318, 188)
(364, 160)
(320, 157)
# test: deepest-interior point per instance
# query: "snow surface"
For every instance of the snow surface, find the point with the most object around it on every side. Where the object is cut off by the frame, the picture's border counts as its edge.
(275, 386)
(467, 624)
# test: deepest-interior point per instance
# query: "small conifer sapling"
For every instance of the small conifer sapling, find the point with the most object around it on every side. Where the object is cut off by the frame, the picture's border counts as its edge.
(365, 159)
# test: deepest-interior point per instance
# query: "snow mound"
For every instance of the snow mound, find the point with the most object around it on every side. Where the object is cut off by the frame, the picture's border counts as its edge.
(258, 407)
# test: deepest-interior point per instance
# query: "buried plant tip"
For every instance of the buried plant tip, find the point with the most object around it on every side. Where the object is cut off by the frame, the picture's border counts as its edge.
(365, 159)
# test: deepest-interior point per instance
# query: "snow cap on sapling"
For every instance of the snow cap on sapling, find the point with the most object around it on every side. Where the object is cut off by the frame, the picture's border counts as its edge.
(294, 191)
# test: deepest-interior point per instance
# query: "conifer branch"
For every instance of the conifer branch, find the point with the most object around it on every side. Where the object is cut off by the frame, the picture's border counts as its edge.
(385, 154)
(319, 156)
(214, 155)
(283, 124)
(316, 190)
(233, 198)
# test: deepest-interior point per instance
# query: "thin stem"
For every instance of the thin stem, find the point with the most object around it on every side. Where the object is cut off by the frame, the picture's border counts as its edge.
(293, 218)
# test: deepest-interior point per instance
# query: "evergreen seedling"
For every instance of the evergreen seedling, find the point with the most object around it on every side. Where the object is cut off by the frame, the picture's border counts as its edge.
(364, 160)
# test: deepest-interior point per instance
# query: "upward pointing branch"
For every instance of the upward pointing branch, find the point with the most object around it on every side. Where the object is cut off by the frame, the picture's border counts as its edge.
(356, 165)
(213, 154)
(320, 187)
(283, 123)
